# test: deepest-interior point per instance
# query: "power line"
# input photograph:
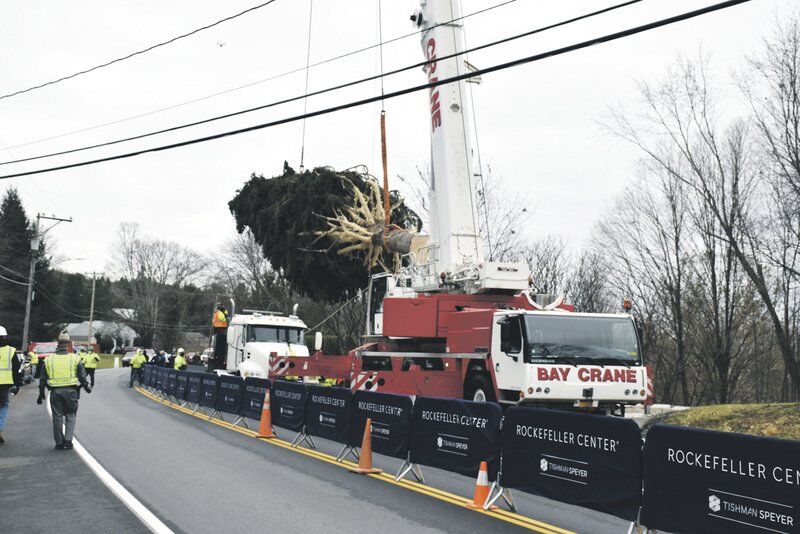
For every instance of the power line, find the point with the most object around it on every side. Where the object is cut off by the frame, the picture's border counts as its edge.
(257, 82)
(137, 53)
(13, 281)
(394, 94)
(328, 89)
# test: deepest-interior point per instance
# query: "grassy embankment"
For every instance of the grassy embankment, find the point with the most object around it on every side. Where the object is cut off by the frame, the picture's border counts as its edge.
(773, 420)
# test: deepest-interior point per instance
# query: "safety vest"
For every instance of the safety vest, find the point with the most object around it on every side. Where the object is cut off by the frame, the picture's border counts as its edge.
(90, 360)
(180, 361)
(220, 320)
(138, 361)
(62, 370)
(6, 357)
(34, 358)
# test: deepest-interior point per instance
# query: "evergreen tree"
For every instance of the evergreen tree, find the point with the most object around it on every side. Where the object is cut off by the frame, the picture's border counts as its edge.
(15, 244)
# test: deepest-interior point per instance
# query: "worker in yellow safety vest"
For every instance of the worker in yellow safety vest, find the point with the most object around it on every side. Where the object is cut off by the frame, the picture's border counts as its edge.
(63, 374)
(220, 319)
(90, 360)
(137, 368)
(10, 379)
(180, 361)
(33, 358)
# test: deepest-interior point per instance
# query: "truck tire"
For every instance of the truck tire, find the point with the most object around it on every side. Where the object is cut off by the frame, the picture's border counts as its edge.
(479, 389)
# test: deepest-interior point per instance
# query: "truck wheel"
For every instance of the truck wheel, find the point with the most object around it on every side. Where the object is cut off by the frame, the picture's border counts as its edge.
(480, 389)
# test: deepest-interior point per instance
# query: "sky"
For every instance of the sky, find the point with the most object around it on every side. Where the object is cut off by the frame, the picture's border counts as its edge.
(539, 125)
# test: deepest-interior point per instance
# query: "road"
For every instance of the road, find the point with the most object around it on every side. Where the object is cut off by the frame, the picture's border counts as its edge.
(200, 477)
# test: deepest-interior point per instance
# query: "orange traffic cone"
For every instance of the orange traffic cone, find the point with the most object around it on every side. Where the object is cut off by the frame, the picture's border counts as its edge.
(365, 459)
(481, 489)
(265, 428)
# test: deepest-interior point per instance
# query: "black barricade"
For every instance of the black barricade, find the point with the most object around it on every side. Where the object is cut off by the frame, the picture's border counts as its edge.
(148, 371)
(593, 461)
(209, 390)
(391, 422)
(288, 400)
(153, 376)
(172, 376)
(194, 388)
(706, 481)
(456, 435)
(181, 385)
(253, 396)
(328, 412)
(229, 399)
(161, 380)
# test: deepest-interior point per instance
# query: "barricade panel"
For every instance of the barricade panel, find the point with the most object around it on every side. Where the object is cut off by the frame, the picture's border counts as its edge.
(209, 390)
(720, 482)
(593, 461)
(288, 401)
(253, 396)
(172, 375)
(229, 399)
(456, 435)
(194, 387)
(148, 372)
(328, 412)
(181, 384)
(391, 422)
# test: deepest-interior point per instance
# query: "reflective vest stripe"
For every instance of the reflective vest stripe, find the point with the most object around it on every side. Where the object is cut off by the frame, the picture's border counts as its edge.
(6, 373)
(62, 370)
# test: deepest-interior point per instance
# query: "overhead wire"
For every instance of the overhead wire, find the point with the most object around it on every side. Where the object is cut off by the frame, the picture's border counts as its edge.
(330, 89)
(257, 82)
(137, 53)
(494, 68)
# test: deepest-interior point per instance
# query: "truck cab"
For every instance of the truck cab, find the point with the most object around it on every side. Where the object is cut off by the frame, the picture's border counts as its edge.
(567, 359)
(255, 337)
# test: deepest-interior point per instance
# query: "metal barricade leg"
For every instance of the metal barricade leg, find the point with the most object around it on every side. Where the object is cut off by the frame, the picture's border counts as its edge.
(303, 437)
(412, 468)
(495, 493)
(346, 451)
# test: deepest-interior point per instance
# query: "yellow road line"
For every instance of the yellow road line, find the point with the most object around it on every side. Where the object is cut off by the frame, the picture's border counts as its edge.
(503, 515)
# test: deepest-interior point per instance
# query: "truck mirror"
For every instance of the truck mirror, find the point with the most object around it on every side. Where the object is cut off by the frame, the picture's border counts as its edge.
(318, 341)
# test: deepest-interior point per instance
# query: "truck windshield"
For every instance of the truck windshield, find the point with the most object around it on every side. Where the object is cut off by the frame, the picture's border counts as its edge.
(580, 339)
(275, 334)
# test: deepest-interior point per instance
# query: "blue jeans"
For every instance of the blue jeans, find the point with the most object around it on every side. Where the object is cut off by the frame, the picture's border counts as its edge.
(4, 394)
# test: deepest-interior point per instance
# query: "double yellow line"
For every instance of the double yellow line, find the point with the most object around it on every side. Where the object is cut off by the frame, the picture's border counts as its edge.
(503, 515)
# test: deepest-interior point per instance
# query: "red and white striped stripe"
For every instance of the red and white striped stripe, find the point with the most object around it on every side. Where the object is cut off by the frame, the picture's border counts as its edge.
(278, 366)
(363, 380)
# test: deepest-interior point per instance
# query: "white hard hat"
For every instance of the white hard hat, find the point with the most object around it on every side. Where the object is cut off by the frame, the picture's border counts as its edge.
(3, 331)
(181, 351)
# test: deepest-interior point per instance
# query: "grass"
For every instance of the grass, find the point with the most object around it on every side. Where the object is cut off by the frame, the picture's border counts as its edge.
(107, 361)
(772, 420)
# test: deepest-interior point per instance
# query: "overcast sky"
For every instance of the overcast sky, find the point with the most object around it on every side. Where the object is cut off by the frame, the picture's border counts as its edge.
(538, 124)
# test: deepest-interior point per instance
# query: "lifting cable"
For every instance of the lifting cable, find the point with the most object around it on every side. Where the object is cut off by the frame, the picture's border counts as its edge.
(305, 98)
(386, 205)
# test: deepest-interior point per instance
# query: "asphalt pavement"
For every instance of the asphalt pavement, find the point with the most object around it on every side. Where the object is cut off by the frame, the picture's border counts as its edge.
(200, 477)
(44, 490)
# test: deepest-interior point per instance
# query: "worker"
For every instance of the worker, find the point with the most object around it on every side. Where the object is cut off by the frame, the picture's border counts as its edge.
(220, 319)
(137, 368)
(10, 379)
(180, 361)
(63, 374)
(90, 360)
(34, 359)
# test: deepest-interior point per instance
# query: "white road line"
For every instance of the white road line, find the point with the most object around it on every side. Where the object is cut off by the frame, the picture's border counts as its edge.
(134, 505)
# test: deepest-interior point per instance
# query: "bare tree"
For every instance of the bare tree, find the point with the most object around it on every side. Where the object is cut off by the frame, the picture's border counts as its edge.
(150, 269)
(502, 214)
(550, 265)
(717, 165)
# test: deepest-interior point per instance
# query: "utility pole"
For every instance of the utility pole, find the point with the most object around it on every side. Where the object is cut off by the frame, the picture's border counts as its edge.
(91, 308)
(35, 243)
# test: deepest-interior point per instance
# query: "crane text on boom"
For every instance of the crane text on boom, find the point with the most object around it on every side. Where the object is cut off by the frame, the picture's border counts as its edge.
(436, 110)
